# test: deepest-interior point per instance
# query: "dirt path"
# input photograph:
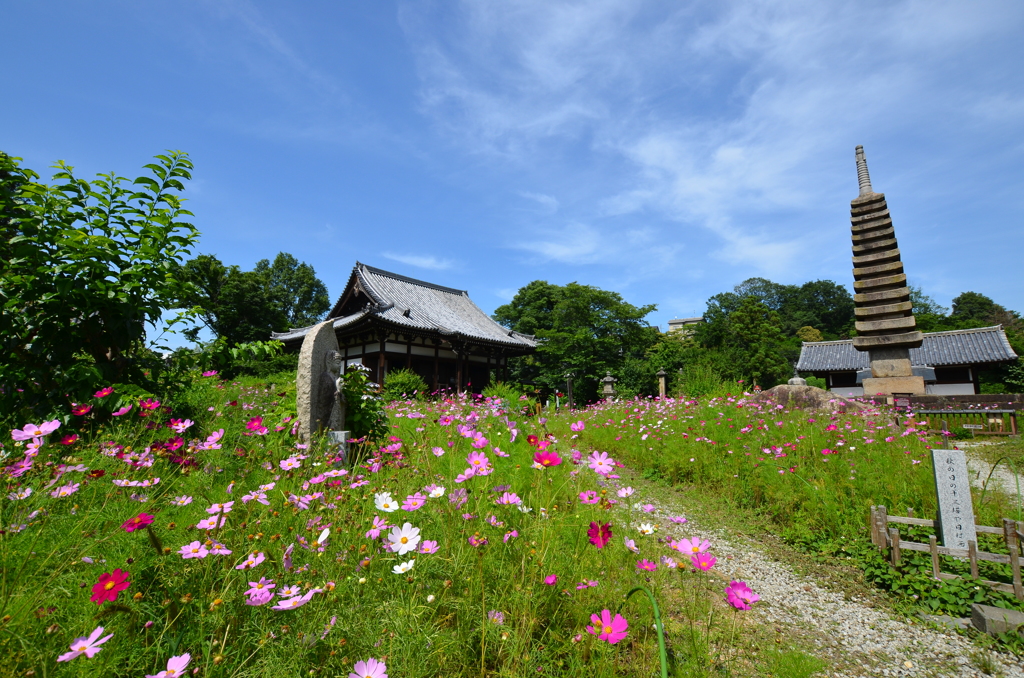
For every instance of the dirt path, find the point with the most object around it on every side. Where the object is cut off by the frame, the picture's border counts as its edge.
(855, 638)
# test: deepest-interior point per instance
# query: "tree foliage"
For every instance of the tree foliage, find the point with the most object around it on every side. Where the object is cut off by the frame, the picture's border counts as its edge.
(84, 267)
(582, 330)
(244, 306)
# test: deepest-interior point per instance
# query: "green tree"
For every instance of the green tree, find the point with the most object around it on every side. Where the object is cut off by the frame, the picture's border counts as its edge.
(299, 294)
(757, 343)
(582, 329)
(972, 309)
(244, 306)
(85, 267)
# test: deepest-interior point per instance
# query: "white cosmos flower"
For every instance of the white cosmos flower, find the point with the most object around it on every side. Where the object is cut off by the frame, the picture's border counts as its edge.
(646, 528)
(437, 492)
(402, 568)
(322, 539)
(384, 502)
(404, 539)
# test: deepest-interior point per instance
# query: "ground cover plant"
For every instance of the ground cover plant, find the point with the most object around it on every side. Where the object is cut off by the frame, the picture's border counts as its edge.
(136, 541)
(812, 476)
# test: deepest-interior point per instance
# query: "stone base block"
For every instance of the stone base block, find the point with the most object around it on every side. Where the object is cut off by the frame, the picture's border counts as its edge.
(993, 620)
(890, 385)
(899, 367)
(904, 340)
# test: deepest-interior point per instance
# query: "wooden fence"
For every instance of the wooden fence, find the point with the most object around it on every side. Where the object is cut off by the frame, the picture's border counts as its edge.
(993, 422)
(885, 537)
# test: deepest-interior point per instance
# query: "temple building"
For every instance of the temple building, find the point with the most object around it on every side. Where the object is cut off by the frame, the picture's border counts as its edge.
(947, 362)
(387, 321)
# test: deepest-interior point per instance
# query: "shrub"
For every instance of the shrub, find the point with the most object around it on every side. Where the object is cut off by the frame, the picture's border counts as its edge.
(403, 384)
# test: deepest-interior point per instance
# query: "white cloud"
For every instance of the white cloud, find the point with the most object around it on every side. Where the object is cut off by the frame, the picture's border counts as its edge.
(724, 118)
(421, 261)
(547, 202)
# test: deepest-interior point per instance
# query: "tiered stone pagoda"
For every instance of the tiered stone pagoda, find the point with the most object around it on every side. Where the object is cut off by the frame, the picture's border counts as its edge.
(885, 324)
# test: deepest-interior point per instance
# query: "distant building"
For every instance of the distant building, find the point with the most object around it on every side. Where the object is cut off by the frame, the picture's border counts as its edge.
(948, 361)
(684, 325)
(387, 321)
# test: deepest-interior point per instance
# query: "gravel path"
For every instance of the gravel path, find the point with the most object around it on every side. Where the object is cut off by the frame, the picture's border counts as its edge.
(868, 641)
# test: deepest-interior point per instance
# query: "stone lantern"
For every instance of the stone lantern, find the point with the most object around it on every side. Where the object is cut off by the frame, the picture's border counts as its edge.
(607, 390)
(661, 383)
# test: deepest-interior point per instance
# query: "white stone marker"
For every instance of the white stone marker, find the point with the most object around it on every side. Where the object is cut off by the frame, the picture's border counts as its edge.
(953, 487)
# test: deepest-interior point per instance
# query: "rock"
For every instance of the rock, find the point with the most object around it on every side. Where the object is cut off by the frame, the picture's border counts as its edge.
(809, 398)
(993, 620)
(316, 398)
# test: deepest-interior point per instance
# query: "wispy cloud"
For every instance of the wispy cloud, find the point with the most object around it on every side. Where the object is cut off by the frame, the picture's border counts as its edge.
(548, 203)
(420, 261)
(727, 119)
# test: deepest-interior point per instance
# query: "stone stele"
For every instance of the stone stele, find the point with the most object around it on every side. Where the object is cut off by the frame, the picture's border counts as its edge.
(319, 401)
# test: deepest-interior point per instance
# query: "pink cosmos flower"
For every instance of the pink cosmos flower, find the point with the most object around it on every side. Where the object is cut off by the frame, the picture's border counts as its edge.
(87, 646)
(80, 410)
(137, 522)
(175, 667)
(510, 535)
(259, 598)
(589, 497)
(65, 490)
(599, 534)
(694, 545)
(508, 499)
(219, 549)
(109, 585)
(149, 404)
(631, 545)
(180, 426)
(413, 502)
(103, 392)
(297, 601)
(703, 561)
(290, 464)
(646, 565)
(427, 546)
(33, 431)
(477, 461)
(264, 585)
(577, 427)
(69, 439)
(194, 550)
(121, 412)
(220, 508)
(607, 628)
(551, 579)
(437, 451)
(546, 458)
(740, 596)
(476, 541)
(210, 373)
(286, 559)
(371, 668)
(678, 520)
(211, 523)
(625, 492)
(601, 463)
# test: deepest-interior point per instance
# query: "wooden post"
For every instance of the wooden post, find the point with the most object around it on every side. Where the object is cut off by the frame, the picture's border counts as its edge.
(874, 525)
(894, 537)
(910, 512)
(882, 527)
(380, 361)
(1013, 544)
(436, 377)
(972, 555)
(933, 547)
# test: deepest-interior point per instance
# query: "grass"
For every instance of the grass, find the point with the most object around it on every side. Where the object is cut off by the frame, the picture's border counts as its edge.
(479, 605)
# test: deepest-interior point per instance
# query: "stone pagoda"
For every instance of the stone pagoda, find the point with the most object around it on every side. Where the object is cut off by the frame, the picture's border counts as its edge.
(886, 328)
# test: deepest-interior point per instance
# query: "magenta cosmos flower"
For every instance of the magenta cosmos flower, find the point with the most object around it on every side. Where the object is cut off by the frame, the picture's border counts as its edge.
(87, 646)
(599, 534)
(371, 668)
(149, 404)
(739, 595)
(137, 522)
(694, 545)
(546, 458)
(648, 565)
(551, 579)
(578, 426)
(607, 628)
(589, 497)
(109, 585)
(33, 431)
(703, 561)
(103, 392)
(80, 410)
(175, 667)
(121, 412)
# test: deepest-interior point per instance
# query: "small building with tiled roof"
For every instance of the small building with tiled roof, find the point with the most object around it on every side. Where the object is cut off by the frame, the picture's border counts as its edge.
(386, 321)
(948, 361)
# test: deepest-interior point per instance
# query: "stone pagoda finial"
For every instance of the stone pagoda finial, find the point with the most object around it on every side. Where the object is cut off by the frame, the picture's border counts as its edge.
(862, 173)
(885, 323)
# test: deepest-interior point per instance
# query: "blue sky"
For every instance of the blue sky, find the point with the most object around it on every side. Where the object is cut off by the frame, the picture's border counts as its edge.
(664, 150)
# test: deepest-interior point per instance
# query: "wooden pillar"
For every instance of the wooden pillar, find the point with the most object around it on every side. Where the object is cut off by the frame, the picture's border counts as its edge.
(436, 378)
(458, 372)
(408, 352)
(380, 361)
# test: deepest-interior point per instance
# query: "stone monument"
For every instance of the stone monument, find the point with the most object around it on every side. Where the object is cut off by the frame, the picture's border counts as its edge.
(607, 386)
(885, 323)
(953, 488)
(320, 399)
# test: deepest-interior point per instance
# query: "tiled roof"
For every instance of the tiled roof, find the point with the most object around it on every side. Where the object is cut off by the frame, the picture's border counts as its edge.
(419, 306)
(940, 349)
